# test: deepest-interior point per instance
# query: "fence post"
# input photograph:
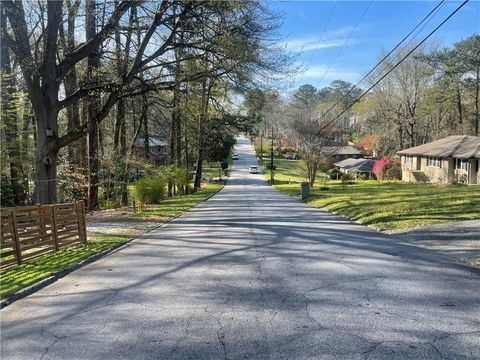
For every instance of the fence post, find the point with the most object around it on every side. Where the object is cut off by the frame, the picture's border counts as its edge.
(54, 227)
(16, 243)
(41, 222)
(82, 226)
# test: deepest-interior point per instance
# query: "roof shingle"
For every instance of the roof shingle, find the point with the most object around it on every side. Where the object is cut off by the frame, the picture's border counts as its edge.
(356, 165)
(456, 146)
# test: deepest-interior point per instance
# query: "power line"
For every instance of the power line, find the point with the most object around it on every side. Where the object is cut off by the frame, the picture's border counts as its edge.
(345, 43)
(434, 10)
(323, 31)
(395, 66)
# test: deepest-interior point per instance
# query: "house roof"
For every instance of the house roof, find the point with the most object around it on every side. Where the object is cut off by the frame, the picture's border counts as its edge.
(152, 142)
(456, 146)
(356, 165)
(341, 150)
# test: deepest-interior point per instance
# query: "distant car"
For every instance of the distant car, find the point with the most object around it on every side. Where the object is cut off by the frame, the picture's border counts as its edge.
(253, 169)
(235, 156)
(291, 156)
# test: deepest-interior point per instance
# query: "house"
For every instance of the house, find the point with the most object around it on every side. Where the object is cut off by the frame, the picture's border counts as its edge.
(356, 167)
(157, 148)
(449, 160)
(342, 152)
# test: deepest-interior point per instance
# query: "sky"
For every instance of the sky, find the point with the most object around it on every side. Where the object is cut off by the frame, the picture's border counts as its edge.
(343, 39)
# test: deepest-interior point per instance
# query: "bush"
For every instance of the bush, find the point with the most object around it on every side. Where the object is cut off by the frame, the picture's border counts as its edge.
(224, 165)
(6, 193)
(334, 174)
(381, 166)
(346, 179)
(149, 190)
(176, 176)
(363, 177)
(460, 179)
(72, 184)
(394, 173)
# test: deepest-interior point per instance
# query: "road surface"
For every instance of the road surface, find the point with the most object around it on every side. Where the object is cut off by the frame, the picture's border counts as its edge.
(253, 274)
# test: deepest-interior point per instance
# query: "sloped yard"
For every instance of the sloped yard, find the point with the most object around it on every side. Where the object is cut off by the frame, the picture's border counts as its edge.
(395, 205)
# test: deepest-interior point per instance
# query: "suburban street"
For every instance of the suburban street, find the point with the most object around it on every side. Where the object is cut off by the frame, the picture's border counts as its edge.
(254, 274)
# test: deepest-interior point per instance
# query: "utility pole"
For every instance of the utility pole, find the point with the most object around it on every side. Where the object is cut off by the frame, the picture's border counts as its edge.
(271, 159)
(261, 145)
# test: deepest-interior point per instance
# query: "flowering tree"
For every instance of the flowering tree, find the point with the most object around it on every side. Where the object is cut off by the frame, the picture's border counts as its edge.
(381, 166)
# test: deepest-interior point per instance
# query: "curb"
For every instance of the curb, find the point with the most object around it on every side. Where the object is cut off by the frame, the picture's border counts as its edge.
(356, 221)
(398, 235)
(324, 209)
(92, 258)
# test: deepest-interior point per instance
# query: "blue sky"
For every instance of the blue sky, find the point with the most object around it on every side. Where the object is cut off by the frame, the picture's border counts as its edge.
(383, 25)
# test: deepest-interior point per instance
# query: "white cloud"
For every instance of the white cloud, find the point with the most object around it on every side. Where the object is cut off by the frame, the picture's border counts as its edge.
(331, 39)
(317, 72)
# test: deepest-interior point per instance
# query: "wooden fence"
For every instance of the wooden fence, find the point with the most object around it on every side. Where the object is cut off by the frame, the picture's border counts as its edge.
(28, 232)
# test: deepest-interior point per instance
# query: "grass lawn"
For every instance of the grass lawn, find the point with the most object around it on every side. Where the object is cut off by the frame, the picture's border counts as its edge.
(384, 205)
(287, 171)
(211, 171)
(18, 277)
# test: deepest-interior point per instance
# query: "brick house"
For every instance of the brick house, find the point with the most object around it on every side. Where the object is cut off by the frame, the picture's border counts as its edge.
(342, 152)
(448, 160)
(157, 148)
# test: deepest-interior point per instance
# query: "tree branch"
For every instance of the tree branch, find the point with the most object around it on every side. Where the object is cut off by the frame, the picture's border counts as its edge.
(88, 47)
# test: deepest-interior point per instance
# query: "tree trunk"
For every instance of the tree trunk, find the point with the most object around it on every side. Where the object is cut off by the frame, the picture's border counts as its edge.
(44, 101)
(199, 169)
(93, 107)
(477, 102)
(173, 139)
(201, 128)
(459, 105)
(9, 117)
(178, 133)
(400, 135)
(76, 151)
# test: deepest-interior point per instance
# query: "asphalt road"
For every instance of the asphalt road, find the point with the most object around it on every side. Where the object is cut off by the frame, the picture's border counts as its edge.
(253, 274)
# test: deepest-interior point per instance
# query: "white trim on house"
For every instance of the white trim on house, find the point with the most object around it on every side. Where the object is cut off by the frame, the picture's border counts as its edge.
(434, 162)
(461, 164)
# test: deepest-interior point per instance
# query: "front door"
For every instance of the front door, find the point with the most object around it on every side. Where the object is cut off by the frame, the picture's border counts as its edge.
(473, 171)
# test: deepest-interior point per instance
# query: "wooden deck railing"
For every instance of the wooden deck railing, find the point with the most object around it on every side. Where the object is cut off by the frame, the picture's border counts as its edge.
(28, 232)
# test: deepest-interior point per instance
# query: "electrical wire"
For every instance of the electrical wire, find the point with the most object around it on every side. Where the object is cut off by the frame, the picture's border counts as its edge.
(345, 43)
(323, 32)
(429, 16)
(395, 66)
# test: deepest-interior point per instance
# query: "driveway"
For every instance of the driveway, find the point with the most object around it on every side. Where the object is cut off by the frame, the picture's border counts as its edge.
(457, 240)
(254, 274)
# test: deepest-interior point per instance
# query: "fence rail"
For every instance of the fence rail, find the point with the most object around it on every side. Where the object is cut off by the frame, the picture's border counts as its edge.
(28, 232)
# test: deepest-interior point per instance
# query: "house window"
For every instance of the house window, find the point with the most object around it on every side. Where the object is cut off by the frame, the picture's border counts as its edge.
(461, 164)
(408, 159)
(434, 161)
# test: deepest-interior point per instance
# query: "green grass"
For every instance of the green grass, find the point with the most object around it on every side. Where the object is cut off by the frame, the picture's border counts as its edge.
(211, 171)
(18, 277)
(174, 206)
(288, 171)
(267, 147)
(388, 205)
(28, 273)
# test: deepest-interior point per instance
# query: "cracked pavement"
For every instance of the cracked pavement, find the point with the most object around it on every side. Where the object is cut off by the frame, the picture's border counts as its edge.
(254, 274)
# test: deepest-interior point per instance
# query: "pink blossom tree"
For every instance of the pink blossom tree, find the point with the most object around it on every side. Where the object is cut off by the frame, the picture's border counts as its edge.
(381, 166)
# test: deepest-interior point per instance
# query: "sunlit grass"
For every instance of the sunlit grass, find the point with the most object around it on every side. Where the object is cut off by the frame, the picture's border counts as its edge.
(290, 171)
(18, 277)
(394, 205)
